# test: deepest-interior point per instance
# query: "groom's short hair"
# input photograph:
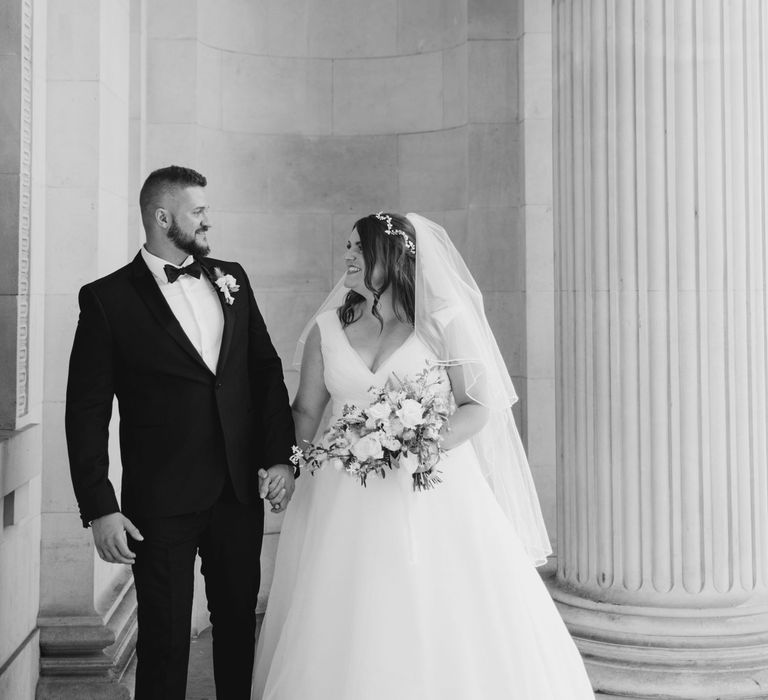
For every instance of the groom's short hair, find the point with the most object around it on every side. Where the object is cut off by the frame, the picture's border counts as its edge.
(164, 180)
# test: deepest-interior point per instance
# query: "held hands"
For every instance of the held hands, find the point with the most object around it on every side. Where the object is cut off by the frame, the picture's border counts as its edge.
(110, 540)
(276, 484)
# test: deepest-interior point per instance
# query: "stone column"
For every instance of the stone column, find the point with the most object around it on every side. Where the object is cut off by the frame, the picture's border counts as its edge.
(661, 175)
(22, 234)
(15, 200)
(538, 329)
(87, 618)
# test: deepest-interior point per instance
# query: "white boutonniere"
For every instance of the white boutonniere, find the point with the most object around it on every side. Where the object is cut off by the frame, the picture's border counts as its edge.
(227, 285)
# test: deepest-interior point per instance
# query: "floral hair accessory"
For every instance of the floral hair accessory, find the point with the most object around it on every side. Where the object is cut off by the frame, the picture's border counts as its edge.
(227, 285)
(410, 246)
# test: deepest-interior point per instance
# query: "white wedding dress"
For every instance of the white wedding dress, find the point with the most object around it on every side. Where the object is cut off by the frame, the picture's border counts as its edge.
(381, 593)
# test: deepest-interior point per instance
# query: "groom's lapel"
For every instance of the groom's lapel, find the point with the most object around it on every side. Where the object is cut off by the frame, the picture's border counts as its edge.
(152, 296)
(229, 314)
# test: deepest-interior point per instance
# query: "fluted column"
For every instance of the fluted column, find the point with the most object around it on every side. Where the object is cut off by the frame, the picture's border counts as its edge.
(661, 142)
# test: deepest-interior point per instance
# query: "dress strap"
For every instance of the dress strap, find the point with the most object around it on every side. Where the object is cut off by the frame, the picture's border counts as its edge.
(328, 323)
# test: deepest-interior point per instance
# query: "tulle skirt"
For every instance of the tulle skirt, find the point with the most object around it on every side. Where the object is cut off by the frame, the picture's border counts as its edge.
(381, 593)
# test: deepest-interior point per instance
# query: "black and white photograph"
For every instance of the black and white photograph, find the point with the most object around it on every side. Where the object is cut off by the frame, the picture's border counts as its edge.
(384, 350)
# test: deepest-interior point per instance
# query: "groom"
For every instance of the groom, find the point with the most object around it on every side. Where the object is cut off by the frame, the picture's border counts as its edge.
(205, 430)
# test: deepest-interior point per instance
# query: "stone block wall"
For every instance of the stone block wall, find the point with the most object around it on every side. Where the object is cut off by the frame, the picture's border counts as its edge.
(304, 115)
(538, 224)
(22, 180)
(86, 116)
(307, 114)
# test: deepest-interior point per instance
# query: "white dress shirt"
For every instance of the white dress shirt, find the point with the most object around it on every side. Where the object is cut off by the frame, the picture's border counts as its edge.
(195, 304)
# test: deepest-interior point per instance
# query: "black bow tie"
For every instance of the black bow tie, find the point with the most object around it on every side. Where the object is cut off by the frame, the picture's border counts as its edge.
(173, 273)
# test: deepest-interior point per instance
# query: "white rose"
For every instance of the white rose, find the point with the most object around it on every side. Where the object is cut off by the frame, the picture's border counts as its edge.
(352, 413)
(229, 282)
(390, 442)
(380, 410)
(336, 463)
(410, 413)
(350, 437)
(409, 462)
(368, 447)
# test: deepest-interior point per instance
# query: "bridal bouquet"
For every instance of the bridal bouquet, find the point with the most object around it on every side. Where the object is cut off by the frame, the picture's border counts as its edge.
(399, 429)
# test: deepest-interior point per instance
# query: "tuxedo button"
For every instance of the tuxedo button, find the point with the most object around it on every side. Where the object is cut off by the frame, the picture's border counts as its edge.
(218, 385)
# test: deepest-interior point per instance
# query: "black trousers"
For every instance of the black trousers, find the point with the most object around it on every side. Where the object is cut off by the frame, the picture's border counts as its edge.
(228, 536)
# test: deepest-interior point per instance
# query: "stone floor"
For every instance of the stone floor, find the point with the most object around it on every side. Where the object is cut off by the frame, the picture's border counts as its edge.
(200, 680)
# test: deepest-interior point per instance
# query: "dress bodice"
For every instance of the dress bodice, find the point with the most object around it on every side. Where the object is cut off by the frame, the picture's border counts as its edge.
(347, 377)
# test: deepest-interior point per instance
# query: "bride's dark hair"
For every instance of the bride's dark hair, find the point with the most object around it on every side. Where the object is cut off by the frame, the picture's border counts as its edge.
(398, 261)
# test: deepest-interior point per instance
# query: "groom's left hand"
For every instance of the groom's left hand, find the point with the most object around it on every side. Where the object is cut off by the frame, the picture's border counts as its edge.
(277, 484)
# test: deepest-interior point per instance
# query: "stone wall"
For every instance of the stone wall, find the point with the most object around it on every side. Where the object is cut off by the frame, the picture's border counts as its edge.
(304, 115)
(538, 328)
(86, 115)
(22, 222)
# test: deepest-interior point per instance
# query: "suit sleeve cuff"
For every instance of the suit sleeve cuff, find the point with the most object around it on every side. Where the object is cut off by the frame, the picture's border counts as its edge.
(101, 505)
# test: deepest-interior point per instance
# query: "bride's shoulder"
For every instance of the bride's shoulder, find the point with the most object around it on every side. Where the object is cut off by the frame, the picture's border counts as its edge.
(326, 323)
(327, 315)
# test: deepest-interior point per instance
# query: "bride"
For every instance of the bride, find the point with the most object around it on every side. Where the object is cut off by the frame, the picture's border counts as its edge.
(384, 593)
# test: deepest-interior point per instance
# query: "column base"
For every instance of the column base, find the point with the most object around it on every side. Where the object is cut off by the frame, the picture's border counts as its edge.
(654, 652)
(84, 658)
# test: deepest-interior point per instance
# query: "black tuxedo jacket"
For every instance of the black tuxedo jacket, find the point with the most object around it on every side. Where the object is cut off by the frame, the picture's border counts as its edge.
(182, 427)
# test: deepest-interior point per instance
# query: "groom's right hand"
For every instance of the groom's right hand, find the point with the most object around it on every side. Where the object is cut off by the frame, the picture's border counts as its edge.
(110, 540)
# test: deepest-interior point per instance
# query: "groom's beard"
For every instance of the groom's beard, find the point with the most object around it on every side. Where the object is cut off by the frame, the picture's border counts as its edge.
(188, 243)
